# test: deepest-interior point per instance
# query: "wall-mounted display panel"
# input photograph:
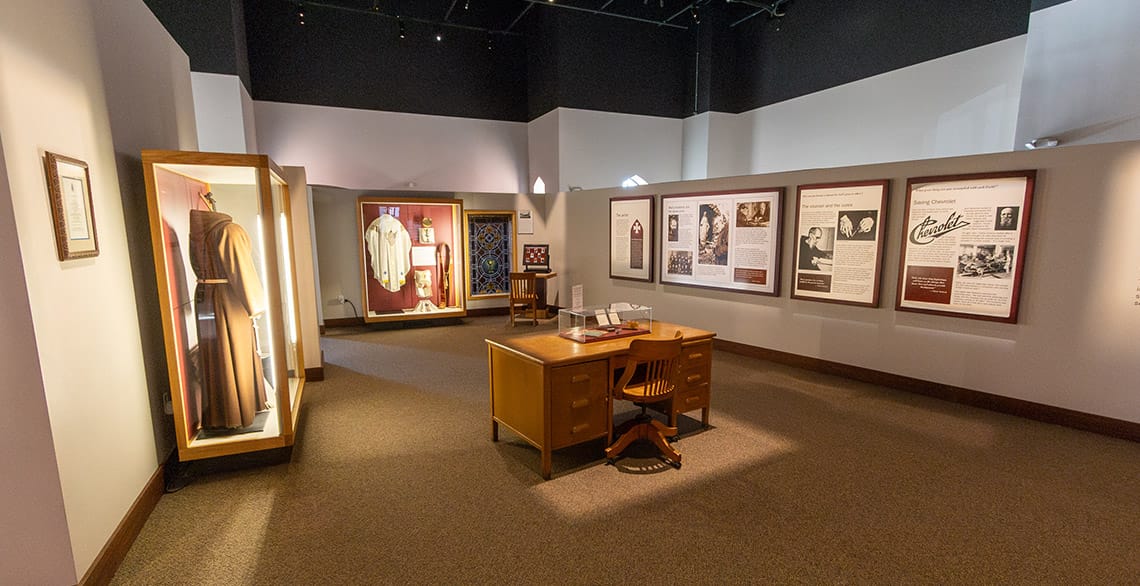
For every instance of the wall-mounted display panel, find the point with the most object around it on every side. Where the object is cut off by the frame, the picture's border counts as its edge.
(963, 246)
(221, 234)
(412, 258)
(723, 240)
(839, 242)
(490, 237)
(631, 237)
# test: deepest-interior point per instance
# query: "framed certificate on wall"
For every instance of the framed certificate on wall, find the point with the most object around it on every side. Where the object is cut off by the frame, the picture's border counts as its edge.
(723, 240)
(631, 238)
(963, 247)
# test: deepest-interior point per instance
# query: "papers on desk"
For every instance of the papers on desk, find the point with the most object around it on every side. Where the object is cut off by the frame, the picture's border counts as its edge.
(607, 317)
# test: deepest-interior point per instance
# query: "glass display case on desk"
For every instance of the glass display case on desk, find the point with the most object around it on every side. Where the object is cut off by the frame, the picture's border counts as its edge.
(221, 234)
(605, 322)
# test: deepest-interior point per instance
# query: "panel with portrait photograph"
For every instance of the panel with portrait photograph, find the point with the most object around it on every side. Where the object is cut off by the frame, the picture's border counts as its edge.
(964, 244)
(839, 252)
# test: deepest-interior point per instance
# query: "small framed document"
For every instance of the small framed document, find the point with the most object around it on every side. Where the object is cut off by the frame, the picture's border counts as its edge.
(69, 188)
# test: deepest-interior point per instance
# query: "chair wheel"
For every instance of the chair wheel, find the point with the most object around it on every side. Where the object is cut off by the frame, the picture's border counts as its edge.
(611, 461)
(675, 438)
(676, 465)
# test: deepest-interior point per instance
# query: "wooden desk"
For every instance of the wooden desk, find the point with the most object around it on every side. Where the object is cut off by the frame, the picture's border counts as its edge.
(556, 393)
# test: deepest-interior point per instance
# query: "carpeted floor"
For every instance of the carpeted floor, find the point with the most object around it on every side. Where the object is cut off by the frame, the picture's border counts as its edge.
(803, 478)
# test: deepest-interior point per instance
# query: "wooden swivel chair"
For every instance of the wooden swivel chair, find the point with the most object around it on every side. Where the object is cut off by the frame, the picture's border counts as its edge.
(524, 293)
(661, 359)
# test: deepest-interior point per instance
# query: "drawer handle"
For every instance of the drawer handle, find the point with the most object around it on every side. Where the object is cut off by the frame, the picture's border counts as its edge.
(579, 378)
(696, 355)
(579, 403)
(689, 400)
(692, 378)
(579, 427)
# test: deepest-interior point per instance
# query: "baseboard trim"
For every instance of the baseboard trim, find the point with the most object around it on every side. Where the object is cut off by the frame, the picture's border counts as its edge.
(485, 311)
(116, 548)
(343, 322)
(315, 374)
(1027, 409)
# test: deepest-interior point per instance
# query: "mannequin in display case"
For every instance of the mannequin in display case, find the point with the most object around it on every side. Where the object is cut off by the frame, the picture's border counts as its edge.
(228, 296)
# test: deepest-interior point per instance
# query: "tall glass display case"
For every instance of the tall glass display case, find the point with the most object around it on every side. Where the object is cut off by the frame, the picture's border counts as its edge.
(223, 253)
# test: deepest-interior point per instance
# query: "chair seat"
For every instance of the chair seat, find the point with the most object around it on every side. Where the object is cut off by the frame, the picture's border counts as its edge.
(637, 394)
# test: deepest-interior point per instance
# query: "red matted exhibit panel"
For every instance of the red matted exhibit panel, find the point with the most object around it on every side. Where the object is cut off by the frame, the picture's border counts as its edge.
(411, 258)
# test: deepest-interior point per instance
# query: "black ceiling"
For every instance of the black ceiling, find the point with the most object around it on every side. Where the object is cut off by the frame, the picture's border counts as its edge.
(503, 16)
(518, 59)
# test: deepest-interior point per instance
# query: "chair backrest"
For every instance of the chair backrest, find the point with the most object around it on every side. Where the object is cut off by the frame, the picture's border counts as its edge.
(662, 359)
(523, 286)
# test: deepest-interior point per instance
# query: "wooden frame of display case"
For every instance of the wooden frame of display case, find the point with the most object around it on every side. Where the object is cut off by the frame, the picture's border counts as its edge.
(397, 298)
(192, 176)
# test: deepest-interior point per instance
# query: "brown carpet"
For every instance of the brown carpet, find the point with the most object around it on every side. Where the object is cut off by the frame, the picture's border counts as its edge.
(804, 478)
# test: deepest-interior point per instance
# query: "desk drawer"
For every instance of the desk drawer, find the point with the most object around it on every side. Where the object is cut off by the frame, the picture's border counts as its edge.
(696, 354)
(578, 403)
(694, 397)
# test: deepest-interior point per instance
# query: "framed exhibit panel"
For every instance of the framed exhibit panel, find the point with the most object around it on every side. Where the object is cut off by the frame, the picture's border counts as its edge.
(412, 258)
(963, 246)
(490, 238)
(223, 255)
(723, 240)
(69, 187)
(631, 237)
(839, 242)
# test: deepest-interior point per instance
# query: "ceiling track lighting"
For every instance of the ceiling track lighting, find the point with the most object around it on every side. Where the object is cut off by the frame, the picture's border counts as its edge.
(438, 36)
(1042, 143)
(300, 14)
(403, 29)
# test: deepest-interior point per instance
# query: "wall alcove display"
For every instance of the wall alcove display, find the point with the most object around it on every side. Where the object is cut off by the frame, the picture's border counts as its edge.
(631, 237)
(412, 258)
(490, 238)
(223, 254)
(723, 240)
(963, 247)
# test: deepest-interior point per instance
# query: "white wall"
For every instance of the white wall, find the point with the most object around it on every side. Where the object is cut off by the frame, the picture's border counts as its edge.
(960, 104)
(224, 112)
(1073, 348)
(34, 544)
(56, 58)
(1082, 78)
(542, 153)
(602, 149)
(384, 150)
(695, 147)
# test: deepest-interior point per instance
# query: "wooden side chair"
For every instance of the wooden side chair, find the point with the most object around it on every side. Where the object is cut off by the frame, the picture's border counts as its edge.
(662, 360)
(524, 293)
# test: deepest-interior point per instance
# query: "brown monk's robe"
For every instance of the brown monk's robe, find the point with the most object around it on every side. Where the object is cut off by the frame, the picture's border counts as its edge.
(229, 293)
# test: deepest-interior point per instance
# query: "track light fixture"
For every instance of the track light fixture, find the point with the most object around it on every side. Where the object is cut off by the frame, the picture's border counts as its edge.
(438, 35)
(403, 29)
(300, 14)
(490, 41)
(1042, 143)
